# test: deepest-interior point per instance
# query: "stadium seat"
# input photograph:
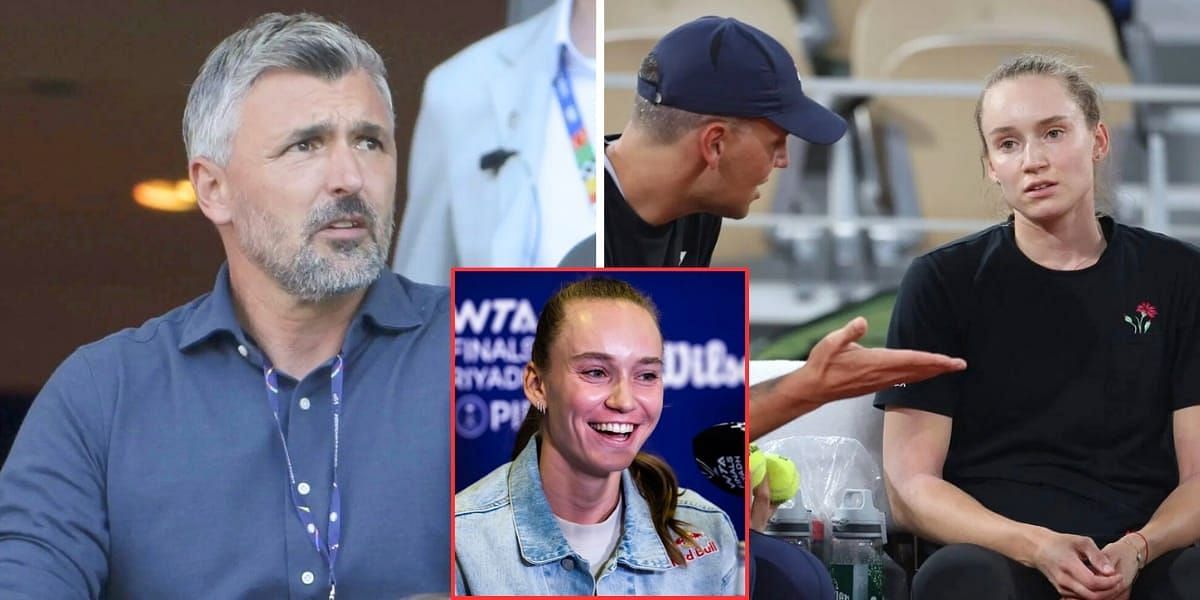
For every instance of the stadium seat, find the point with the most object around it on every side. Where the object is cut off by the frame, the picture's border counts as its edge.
(968, 40)
(843, 13)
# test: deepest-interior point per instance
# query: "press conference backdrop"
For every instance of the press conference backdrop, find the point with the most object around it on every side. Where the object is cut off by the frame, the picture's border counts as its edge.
(703, 326)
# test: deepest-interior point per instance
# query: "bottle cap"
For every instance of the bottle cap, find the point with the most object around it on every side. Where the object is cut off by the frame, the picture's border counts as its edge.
(791, 519)
(857, 517)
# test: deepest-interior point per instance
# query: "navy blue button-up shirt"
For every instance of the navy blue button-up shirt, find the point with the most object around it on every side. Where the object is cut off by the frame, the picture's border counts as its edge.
(150, 465)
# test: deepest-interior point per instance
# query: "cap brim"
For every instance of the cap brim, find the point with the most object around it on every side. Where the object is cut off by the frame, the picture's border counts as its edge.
(810, 121)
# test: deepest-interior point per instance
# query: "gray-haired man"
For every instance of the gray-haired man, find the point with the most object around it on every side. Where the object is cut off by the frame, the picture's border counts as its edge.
(284, 435)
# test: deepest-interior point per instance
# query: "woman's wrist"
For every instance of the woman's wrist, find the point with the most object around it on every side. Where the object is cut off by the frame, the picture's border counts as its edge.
(1031, 539)
(1140, 545)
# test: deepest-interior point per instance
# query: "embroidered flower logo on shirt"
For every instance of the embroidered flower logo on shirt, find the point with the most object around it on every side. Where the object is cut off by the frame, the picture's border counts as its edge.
(1145, 313)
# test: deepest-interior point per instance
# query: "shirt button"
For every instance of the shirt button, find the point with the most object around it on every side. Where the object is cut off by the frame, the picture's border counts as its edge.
(303, 488)
(312, 529)
(333, 517)
(305, 404)
(307, 577)
(242, 350)
(568, 564)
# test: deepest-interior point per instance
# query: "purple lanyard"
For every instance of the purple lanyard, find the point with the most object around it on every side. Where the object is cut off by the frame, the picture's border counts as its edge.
(581, 146)
(335, 496)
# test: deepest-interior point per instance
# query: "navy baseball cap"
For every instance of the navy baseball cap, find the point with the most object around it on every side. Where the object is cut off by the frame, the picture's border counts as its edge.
(722, 66)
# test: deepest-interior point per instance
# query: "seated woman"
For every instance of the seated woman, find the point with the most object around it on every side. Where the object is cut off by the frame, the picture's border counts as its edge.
(1065, 461)
(580, 510)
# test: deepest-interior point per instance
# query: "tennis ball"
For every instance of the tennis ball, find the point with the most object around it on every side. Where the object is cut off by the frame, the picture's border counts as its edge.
(758, 466)
(785, 479)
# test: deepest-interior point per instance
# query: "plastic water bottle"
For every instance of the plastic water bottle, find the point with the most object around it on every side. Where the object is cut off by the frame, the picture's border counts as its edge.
(792, 523)
(855, 555)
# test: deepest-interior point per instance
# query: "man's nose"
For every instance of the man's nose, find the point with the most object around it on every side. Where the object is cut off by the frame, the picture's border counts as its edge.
(344, 175)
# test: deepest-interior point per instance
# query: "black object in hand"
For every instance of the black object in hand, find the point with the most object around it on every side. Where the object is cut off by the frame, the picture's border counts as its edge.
(720, 452)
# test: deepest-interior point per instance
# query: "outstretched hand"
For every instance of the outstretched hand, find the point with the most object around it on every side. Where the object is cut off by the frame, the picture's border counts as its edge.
(843, 369)
(838, 367)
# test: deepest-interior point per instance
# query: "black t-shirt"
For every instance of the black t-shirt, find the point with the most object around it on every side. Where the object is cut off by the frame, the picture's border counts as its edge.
(631, 242)
(1063, 416)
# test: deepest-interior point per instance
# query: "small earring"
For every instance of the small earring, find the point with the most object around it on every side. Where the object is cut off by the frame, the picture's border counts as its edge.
(540, 408)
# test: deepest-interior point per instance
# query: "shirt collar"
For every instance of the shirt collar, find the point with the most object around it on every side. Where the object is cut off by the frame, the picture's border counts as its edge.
(387, 306)
(540, 539)
(213, 315)
(608, 166)
(577, 63)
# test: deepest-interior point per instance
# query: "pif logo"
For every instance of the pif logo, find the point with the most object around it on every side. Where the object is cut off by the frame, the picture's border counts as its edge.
(476, 416)
(471, 419)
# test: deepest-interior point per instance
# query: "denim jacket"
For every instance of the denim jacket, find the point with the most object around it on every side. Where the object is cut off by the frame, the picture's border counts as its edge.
(507, 543)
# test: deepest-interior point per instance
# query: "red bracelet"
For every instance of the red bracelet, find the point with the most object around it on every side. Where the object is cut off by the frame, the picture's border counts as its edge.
(1144, 543)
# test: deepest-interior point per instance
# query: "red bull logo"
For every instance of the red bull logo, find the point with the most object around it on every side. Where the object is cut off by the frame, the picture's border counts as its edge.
(696, 546)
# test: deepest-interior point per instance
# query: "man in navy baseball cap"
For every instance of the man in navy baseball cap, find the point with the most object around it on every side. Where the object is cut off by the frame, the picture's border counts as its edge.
(716, 100)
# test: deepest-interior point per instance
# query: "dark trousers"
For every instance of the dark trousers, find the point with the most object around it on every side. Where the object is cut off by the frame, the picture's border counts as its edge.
(785, 571)
(968, 571)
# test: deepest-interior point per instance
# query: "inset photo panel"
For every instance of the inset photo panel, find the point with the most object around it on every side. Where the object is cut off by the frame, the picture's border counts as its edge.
(599, 432)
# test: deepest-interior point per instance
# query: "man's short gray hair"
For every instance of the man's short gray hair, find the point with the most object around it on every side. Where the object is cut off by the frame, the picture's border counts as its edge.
(302, 42)
(663, 124)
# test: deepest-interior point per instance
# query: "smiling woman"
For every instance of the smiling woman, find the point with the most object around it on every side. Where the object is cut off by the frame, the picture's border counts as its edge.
(581, 510)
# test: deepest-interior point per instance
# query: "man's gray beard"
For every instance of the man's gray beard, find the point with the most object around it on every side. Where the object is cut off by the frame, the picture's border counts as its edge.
(309, 276)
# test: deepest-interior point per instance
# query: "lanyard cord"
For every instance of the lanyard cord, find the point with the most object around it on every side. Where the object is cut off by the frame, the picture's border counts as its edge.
(585, 157)
(303, 512)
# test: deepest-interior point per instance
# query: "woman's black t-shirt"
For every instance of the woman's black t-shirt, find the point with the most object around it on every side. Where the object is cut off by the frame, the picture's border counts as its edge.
(1063, 416)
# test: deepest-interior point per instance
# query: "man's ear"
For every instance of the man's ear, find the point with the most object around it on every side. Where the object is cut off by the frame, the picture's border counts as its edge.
(212, 189)
(713, 139)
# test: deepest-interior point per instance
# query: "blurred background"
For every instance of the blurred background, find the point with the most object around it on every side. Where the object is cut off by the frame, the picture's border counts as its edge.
(91, 104)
